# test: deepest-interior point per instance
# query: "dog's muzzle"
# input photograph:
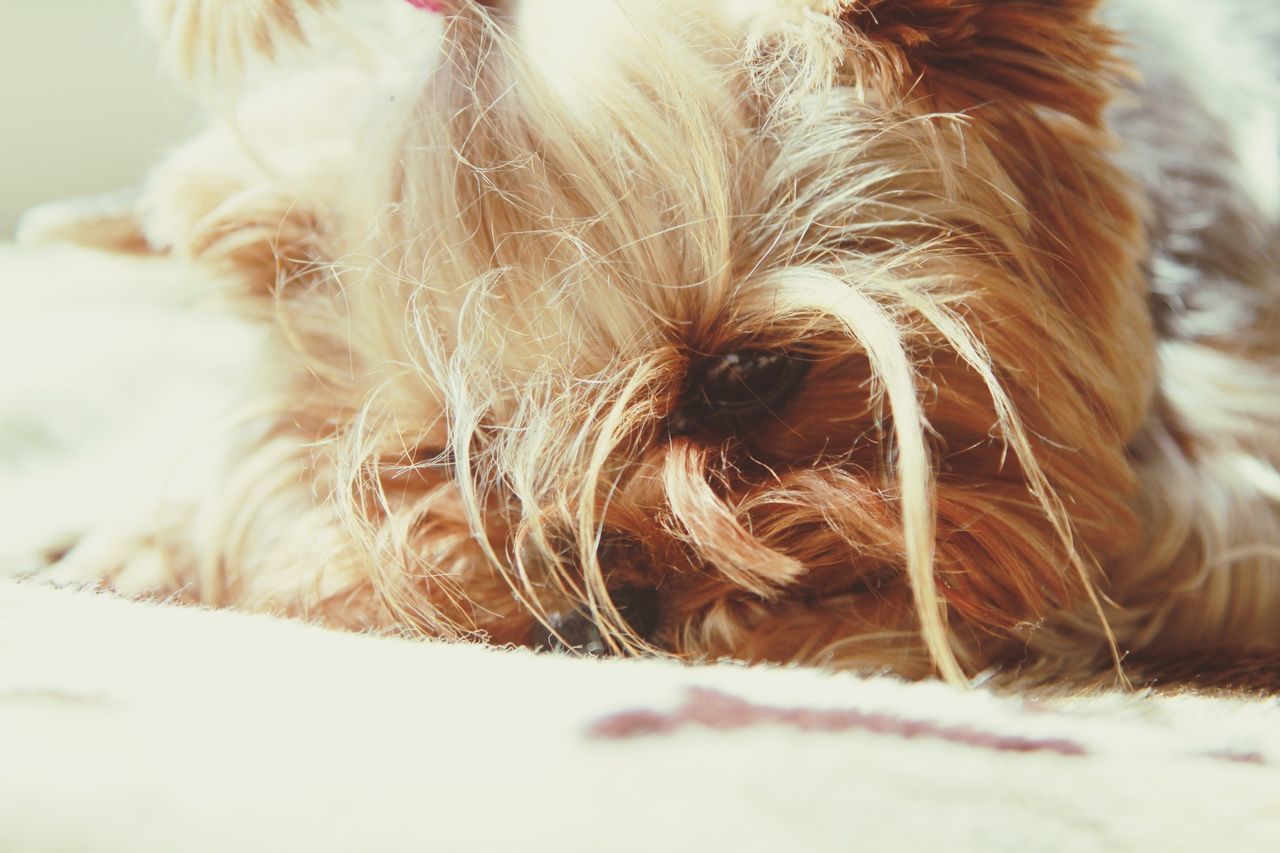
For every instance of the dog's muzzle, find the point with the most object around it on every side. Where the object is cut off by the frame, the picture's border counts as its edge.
(574, 630)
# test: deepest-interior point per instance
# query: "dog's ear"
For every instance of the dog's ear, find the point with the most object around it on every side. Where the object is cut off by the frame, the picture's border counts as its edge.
(961, 53)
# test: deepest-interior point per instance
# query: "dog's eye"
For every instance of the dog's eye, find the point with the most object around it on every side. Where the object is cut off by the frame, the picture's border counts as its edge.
(745, 383)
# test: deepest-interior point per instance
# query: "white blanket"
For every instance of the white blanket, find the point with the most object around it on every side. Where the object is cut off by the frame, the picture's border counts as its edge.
(141, 727)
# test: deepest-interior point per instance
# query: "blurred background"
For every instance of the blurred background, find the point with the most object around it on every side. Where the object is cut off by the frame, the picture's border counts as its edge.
(84, 109)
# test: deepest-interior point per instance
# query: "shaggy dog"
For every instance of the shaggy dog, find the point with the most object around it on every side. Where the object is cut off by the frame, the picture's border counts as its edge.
(911, 334)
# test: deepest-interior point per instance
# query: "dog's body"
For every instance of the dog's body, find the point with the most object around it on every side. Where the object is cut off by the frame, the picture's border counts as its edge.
(840, 333)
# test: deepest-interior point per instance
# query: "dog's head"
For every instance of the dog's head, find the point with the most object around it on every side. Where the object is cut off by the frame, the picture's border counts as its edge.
(779, 330)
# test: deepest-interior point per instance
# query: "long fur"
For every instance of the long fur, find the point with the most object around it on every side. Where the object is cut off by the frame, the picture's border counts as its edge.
(489, 276)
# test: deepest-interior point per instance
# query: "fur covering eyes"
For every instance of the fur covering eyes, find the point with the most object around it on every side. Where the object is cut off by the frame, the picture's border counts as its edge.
(912, 334)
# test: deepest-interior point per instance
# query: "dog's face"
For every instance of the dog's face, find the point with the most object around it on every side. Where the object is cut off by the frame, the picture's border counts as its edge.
(774, 330)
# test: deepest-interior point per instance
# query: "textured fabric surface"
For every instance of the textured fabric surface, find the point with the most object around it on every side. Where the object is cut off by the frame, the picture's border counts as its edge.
(141, 727)
(118, 373)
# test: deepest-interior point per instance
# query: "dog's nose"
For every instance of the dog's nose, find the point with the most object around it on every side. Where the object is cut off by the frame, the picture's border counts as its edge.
(574, 631)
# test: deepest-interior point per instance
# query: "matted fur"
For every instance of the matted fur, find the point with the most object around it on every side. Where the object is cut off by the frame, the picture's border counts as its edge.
(490, 269)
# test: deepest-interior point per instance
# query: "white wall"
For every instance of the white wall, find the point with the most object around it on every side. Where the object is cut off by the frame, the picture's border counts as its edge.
(82, 109)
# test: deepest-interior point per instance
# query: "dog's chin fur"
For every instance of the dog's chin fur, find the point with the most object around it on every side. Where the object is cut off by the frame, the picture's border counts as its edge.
(494, 254)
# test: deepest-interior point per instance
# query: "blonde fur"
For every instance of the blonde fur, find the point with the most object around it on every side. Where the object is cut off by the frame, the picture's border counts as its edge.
(200, 38)
(492, 275)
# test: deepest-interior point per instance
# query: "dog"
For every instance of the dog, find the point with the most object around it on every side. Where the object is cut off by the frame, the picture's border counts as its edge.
(921, 336)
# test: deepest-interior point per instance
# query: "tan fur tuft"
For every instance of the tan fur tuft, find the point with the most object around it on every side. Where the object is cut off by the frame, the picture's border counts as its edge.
(204, 39)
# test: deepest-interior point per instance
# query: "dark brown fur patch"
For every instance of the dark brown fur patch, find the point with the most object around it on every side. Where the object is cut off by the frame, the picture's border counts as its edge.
(1045, 52)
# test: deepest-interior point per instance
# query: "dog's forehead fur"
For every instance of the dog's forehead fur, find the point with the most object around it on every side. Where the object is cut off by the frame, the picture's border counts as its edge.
(612, 203)
(653, 199)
